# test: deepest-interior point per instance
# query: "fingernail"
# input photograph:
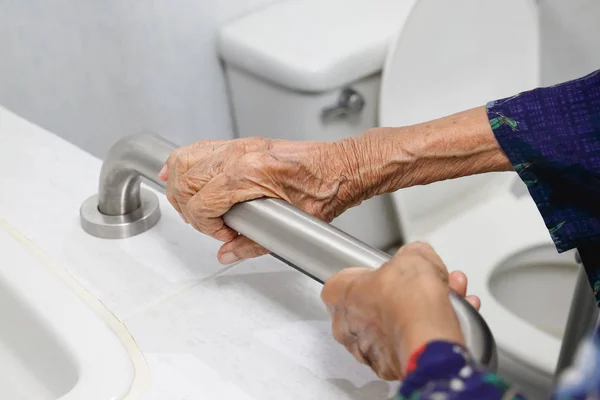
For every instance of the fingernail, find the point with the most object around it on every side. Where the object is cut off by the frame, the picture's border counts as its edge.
(228, 258)
(184, 218)
(162, 171)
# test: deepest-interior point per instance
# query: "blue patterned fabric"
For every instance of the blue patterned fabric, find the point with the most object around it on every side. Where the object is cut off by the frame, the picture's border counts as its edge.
(446, 371)
(552, 138)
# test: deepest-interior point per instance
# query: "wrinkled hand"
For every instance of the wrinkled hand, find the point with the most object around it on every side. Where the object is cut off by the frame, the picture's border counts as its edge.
(381, 316)
(205, 179)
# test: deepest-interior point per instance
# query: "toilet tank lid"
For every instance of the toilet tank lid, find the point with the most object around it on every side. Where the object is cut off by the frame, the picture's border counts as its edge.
(314, 45)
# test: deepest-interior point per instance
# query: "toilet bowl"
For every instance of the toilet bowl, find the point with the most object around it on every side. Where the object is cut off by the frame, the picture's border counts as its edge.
(477, 224)
(525, 286)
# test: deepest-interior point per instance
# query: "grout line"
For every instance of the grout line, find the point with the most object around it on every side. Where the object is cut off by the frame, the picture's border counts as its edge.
(181, 290)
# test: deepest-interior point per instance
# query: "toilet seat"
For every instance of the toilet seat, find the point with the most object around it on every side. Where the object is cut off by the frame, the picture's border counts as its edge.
(448, 58)
(451, 56)
(487, 239)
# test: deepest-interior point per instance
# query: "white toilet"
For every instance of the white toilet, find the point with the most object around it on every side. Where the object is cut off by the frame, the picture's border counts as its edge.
(525, 286)
(478, 224)
(312, 70)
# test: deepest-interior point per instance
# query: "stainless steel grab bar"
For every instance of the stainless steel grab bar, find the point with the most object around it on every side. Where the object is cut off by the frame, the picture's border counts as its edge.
(122, 209)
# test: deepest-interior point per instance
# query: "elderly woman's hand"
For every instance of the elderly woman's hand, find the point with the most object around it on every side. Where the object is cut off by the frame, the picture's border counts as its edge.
(205, 179)
(381, 316)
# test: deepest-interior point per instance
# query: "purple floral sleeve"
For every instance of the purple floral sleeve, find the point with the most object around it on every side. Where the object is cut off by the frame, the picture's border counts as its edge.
(446, 371)
(552, 138)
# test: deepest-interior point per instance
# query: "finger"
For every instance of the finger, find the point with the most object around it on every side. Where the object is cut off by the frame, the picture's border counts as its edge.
(221, 193)
(339, 327)
(419, 258)
(181, 160)
(163, 174)
(457, 281)
(206, 208)
(474, 301)
(240, 248)
(337, 286)
(188, 155)
(422, 249)
(379, 357)
(353, 348)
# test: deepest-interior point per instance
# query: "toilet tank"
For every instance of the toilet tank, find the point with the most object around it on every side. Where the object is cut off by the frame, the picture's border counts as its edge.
(310, 70)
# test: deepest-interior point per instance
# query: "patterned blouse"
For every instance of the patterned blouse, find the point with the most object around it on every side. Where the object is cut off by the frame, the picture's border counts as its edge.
(552, 138)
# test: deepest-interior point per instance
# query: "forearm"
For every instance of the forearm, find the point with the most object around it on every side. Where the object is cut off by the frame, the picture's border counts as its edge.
(549, 136)
(458, 145)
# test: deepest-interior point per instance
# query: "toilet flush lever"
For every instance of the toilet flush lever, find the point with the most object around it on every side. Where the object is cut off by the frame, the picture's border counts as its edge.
(350, 102)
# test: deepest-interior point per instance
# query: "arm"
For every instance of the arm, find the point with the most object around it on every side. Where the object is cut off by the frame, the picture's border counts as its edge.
(549, 136)
(458, 145)
(399, 321)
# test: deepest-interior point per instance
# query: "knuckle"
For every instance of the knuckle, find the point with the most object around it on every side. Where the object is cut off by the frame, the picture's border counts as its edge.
(326, 295)
(337, 333)
(175, 156)
(225, 235)
(171, 198)
(414, 250)
(386, 373)
(419, 246)
(253, 142)
(196, 208)
(201, 225)
(256, 251)
(252, 161)
(178, 190)
(317, 210)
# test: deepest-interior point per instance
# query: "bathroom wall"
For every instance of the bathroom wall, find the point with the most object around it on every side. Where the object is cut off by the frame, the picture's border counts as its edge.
(570, 39)
(94, 71)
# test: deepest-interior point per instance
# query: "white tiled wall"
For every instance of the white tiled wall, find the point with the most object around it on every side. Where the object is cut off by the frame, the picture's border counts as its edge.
(570, 39)
(94, 71)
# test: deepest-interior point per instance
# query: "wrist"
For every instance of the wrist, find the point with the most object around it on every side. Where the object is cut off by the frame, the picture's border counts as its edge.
(361, 168)
(375, 161)
(418, 339)
(430, 317)
(458, 145)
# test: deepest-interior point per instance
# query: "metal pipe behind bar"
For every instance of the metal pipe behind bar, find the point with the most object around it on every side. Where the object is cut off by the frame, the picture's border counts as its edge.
(583, 313)
(312, 246)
